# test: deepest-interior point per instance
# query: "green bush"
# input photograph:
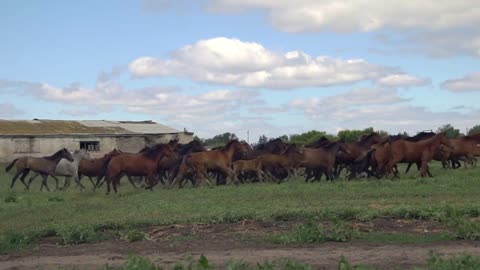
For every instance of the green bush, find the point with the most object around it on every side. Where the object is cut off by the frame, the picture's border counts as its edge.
(312, 232)
(76, 234)
(17, 240)
(133, 235)
(461, 262)
(10, 198)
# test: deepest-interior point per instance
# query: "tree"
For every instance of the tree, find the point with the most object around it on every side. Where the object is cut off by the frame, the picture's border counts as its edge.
(449, 130)
(220, 139)
(309, 137)
(474, 130)
(263, 139)
(284, 138)
(352, 135)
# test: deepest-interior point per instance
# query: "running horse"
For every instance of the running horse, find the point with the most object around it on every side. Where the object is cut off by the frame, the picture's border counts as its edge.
(144, 163)
(44, 166)
(219, 160)
(420, 152)
(95, 167)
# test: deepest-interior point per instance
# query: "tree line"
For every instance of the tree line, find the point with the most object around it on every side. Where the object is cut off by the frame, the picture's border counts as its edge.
(348, 135)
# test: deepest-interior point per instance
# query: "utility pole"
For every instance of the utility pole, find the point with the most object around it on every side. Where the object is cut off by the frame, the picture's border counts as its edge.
(248, 136)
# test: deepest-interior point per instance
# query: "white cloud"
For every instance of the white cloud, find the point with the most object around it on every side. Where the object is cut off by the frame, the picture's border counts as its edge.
(379, 108)
(359, 15)
(435, 27)
(470, 82)
(402, 80)
(248, 64)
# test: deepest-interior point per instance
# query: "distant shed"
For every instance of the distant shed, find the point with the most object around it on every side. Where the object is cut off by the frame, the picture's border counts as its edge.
(44, 137)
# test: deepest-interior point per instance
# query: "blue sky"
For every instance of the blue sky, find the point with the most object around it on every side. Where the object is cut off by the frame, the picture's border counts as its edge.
(271, 67)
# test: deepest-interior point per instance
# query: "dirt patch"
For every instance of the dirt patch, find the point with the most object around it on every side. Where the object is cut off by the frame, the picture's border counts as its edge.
(408, 226)
(241, 241)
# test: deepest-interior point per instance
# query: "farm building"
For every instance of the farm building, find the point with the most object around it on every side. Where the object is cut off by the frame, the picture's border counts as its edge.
(44, 137)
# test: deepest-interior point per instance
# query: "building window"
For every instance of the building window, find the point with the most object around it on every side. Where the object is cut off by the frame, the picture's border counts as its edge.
(90, 146)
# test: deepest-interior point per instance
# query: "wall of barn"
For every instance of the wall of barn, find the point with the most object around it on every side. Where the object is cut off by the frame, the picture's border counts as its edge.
(14, 147)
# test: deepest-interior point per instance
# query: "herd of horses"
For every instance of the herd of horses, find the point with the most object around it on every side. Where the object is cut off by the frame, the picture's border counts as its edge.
(275, 161)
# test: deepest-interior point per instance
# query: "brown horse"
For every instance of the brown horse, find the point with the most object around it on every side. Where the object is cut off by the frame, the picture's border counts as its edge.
(356, 150)
(322, 159)
(246, 166)
(95, 167)
(287, 161)
(416, 152)
(144, 164)
(199, 163)
(44, 166)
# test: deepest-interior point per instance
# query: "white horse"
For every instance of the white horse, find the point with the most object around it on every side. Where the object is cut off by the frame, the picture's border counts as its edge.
(68, 169)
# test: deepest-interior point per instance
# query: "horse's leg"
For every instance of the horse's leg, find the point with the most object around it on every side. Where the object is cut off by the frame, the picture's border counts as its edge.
(100, 181)
(77, 180)
(56, 181)
(30, 180)
(230, 175)
(108, 180)
(424, 168)
(132, 182)
(202, 174)
(22, 178)
(91, 181)
(44, 181)
(409, 166)
(14, 179)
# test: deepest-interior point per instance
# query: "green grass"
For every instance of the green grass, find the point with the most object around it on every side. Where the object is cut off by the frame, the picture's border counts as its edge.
(434, 262)
(451, 194)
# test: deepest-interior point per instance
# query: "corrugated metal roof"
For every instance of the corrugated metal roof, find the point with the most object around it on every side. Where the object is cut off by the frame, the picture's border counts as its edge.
(143, 127)
(53, 127)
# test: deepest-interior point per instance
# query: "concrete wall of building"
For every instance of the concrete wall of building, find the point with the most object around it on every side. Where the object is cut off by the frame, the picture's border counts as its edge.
(14, 147)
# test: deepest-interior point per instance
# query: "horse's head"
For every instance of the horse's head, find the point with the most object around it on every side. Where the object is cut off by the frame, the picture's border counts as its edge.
(342, 148)
(64, 153)
(197, 146)
(238, 148)
(443, 139)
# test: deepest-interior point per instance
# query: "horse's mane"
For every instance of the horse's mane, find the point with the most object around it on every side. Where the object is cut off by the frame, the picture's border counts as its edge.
(152, 151)
(230, 143)
(320, 142)
(289, 148)
(186, 148)
(367, 137)
(56, 155)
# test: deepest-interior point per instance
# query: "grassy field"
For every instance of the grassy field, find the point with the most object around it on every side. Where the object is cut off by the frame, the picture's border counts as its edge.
(451, 194)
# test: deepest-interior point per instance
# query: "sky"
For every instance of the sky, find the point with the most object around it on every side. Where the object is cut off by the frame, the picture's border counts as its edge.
(268, 67)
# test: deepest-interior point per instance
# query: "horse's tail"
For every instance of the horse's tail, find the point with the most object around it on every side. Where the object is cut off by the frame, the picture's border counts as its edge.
(105, 167)
(11, 165)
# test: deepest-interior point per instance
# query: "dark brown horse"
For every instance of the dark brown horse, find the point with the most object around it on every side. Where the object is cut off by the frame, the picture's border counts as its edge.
(44, 166)
(199, 163)
(416, 152)
(95, 167)
(144, 164)
(356, 150)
